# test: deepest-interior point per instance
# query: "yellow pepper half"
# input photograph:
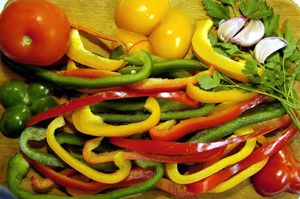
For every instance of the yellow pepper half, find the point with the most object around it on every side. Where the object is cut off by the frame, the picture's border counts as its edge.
(204, 51)
(240, 177)
(123, 164)
(88, 123)
(174, 175)
(78, 53)
(233, 95)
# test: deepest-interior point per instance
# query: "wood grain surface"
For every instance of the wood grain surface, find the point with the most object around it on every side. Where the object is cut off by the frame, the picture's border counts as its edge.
(99, 14)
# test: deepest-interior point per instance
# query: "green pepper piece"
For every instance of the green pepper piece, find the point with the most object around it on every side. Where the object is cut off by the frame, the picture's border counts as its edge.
(42, 105)
(56, 79)
(18, 168)
(13, 120)
(13, 93)
(170, 115)
(259, 115)
(36, 91)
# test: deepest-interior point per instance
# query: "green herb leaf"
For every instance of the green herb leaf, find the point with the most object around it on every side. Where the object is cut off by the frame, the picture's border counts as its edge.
(213, 38)
(229, 2)
(271, 24)
(216, 10)
(229, 48)
(255, 9)
(292, 42)
(206, 82)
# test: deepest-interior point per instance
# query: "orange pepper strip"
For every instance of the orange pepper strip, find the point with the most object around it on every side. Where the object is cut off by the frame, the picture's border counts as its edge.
(87, 73)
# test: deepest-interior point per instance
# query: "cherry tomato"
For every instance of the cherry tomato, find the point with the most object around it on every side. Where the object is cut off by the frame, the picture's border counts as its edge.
(34, 32)
(140, 16)
(129, 38)
(171, 39)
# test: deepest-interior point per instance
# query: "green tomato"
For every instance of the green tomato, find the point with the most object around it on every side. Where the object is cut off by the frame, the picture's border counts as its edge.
(43, 104)
(13, 93)
(36, 91)
(13, 120)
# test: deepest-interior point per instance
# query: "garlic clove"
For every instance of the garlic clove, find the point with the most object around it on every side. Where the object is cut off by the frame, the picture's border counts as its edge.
(228, 28)
(267, 46)
(251, 34)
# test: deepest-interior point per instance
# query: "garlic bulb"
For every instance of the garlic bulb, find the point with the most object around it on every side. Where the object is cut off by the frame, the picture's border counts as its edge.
(227, 29)
(267, 46)
(250, 34)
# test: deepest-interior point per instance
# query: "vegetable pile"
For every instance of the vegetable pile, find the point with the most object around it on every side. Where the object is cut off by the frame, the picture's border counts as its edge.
(180, 108)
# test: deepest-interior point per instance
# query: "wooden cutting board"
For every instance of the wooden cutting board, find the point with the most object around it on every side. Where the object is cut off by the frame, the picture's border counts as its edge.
(99, 14)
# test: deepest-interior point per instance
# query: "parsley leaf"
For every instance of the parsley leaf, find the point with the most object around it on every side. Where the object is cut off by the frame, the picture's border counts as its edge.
(206, 82)
(229, 2)
(292, 42)
(216, 10)
(255, 9)
(229, 48)
(271, 24)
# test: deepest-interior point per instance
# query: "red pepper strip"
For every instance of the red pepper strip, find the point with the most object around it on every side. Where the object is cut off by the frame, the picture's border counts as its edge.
(160, 84)
(107, 95)
(178, 190)
(258, 155)
(77, 184)
(194, 124)
(137, 175)
(178, 148)
(87, 73)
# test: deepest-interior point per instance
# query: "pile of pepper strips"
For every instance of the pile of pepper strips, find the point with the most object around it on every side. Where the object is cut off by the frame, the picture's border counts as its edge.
(153, 133)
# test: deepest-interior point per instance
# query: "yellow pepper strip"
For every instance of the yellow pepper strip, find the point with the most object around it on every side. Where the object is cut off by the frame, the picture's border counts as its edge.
(88, 123)
(95, 158)
(240, 177)
(233, 95)
(78, 53)
(123, 164)
(204, 51)
(175, 176)
(71, 65)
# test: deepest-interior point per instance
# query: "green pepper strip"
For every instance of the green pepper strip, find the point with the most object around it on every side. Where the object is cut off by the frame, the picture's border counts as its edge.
(136, 105)
(167, 66)
(170, 115)
(78, 82)
(18, 168)
(39, 134)
(262, 114)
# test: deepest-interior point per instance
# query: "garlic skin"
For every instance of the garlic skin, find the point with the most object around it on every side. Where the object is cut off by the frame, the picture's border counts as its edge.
(267, 46)
(251, 34)
(228, 28)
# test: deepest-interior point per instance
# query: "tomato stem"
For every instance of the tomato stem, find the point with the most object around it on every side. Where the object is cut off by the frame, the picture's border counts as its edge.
(26, 40)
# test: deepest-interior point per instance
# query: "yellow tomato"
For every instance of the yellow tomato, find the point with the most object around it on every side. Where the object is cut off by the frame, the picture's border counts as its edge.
(140, 16)
(142, 45)
(172, 38)
(129, 38)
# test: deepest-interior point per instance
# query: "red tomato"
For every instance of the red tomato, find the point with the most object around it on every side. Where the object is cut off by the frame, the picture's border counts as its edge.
(34, 32)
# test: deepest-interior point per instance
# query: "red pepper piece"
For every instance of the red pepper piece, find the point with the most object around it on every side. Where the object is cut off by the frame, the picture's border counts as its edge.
(175, 189)
(107, 95)
(66, 181)
(281, 173)
(258, 155)
(194, 124)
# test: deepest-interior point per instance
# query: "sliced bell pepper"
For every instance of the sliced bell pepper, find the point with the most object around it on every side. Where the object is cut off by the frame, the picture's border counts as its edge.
(51, 77)
(177, 190)
(18, 168)
(95, 158)
(258, 155)
(88, 123)
(87, 73)
(78, 53)
(204, 51)
(174, 132)
(123, 164)
(42, 185)
(173, 173)
(78, 103)
(240, 177)
(66, 181)
(233, 95)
